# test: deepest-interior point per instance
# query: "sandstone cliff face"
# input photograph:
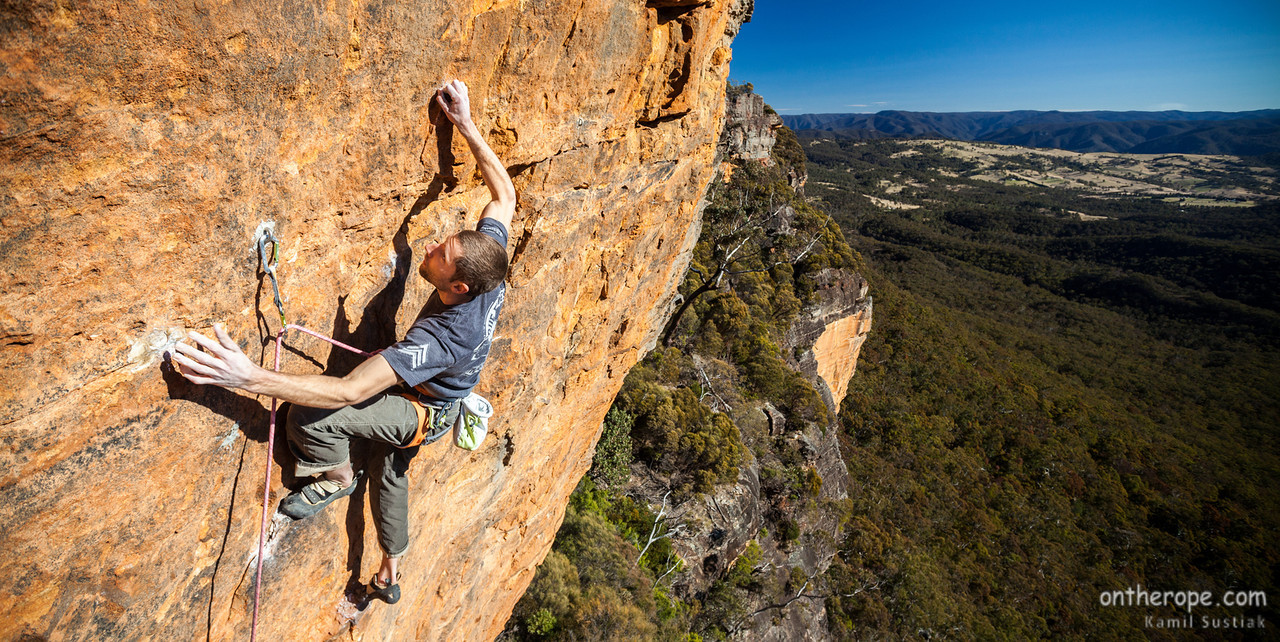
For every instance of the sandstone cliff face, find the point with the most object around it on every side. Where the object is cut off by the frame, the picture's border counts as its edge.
(749, 129)
(823, 343)
(141, 146)
(833, 330)
(710, 531)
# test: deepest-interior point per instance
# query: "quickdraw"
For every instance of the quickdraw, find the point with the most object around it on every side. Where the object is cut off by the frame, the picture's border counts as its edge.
(270, 267)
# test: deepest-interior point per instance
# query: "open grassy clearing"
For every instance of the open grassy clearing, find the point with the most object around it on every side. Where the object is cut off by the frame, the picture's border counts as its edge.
(1225, 180)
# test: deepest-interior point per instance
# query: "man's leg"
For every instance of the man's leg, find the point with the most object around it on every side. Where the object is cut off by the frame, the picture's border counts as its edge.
(389, 570)
(320, 439)
(390, 480)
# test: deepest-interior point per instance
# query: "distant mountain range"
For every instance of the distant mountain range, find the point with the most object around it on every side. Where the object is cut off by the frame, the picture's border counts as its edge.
(1248, 133)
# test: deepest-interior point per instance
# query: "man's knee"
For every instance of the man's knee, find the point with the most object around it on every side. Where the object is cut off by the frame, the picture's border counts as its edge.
(302, 417)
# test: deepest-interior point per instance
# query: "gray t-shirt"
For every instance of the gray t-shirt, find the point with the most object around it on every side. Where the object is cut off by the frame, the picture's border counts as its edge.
(442, 353)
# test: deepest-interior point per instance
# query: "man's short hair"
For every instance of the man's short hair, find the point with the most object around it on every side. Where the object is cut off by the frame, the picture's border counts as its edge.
(483, 264)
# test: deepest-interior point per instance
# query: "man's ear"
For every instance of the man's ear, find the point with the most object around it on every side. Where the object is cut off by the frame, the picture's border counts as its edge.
(458, 287)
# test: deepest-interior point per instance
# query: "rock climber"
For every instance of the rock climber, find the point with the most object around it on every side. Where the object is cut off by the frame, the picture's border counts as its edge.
(403, 397)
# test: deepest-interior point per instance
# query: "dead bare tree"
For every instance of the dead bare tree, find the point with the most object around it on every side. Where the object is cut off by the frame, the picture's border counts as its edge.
(653, 532)
(710, 389)
(800, 595)
(673, 567)
(728, 248)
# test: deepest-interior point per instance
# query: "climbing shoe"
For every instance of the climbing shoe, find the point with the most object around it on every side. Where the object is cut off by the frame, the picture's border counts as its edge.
(315, 496)
(389, 594)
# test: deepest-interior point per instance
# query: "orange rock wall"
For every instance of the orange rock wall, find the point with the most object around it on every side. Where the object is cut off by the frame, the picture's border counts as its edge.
(836, 351)
(829, 333)
(141, 144)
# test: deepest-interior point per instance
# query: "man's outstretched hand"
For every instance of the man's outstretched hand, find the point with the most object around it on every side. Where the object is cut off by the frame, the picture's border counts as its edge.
(454, 101)
(221, 364)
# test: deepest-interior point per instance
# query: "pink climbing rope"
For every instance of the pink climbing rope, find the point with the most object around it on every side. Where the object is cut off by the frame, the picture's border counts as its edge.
(271, 441)
(321, 336)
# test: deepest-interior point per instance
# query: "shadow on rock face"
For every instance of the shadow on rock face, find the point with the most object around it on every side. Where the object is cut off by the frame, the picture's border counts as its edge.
(377, 328)
(247, 413)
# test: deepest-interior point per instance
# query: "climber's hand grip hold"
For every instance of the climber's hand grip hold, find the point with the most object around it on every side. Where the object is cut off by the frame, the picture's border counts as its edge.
(222, 363)
(454, 102)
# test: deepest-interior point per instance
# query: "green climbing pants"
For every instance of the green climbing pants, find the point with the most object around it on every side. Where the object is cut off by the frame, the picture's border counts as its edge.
(320, 438)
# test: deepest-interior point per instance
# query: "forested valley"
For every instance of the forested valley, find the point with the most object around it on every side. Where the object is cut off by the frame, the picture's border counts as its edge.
(1065, 391)
(1063, 394)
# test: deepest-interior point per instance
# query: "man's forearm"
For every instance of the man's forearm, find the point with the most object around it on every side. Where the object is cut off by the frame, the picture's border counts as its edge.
(314, 391)
(491, 168)
(321, 391)
(453, 99)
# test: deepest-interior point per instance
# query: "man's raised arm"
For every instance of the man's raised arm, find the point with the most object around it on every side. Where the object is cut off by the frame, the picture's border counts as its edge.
(456, 104)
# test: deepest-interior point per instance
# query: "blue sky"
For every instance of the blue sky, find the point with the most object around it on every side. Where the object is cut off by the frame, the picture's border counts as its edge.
(816, 56)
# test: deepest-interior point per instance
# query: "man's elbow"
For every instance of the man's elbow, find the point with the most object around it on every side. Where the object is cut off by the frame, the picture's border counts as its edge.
(368, 379)
(351, 399)
(505, 196)
(501, 209)
(353, 392)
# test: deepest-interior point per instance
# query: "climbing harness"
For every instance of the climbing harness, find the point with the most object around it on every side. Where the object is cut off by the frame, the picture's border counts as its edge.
(270, 269)
(433, 421)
